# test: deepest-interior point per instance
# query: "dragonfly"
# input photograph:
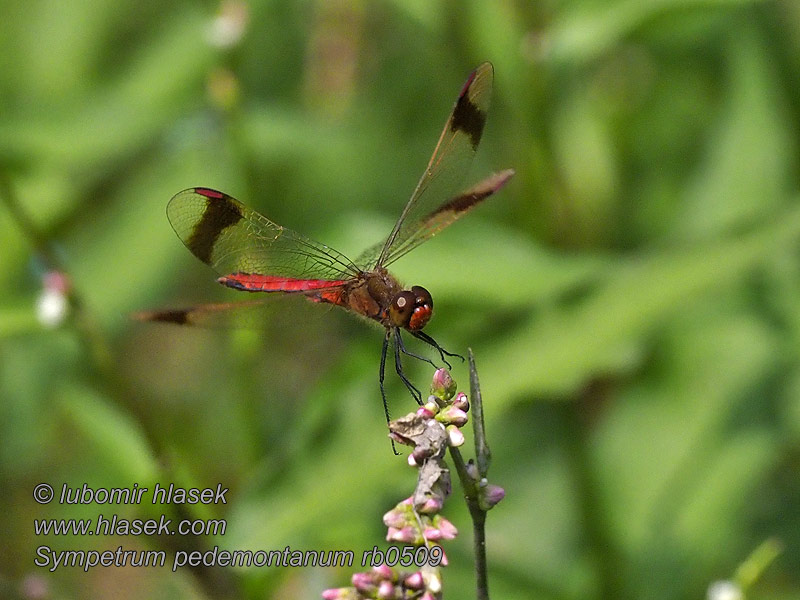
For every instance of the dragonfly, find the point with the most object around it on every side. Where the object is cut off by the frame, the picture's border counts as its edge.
(251, 253)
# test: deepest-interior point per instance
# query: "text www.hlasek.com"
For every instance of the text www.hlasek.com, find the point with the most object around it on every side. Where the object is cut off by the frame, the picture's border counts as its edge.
(116, 526)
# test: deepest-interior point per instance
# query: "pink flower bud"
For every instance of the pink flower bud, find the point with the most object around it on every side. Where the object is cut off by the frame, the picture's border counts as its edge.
(444, 562)
(57, 282)
(447, 529)
(432, 405)
(454, 436)
(383, 572)
(345, 593)
(386, 591)
(401, 509)
(414, 581)
(396, 518)
(363, 582)
(432, 534)
(52, 305)
(443, 386)
(490, 495)
(453, 415)
(406, 535)
(425, 412)
(431, 506)
(461, 401)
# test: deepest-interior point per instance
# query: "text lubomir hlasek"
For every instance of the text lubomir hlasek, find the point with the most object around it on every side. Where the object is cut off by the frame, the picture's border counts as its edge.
(134, 495)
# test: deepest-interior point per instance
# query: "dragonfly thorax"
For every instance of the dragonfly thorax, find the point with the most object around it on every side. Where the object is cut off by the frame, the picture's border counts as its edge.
(393, 306)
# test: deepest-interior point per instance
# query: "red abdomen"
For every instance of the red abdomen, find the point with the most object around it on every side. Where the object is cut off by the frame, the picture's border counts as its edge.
(268, 283)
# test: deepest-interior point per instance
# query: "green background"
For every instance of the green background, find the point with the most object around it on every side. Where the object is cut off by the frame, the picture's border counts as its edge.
(632, 297)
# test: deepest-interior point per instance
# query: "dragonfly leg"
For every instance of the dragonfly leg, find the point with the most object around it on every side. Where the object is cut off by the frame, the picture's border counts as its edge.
(421, 335)
(384, 349)
(398, 344)
(402, 347)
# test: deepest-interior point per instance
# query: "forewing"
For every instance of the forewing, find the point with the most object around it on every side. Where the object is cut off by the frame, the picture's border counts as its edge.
(231, 238)
(444, 176)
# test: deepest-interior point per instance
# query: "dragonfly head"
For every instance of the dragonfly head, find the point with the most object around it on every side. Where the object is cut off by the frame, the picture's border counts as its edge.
(411, 309)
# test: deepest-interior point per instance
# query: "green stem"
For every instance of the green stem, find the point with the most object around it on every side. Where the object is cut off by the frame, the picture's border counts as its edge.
(478, 517)
(471, 485)
(754, 565)
(87, 328)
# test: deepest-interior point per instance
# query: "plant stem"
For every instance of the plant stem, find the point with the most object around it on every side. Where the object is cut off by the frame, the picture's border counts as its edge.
(85, 325)
(471, 486)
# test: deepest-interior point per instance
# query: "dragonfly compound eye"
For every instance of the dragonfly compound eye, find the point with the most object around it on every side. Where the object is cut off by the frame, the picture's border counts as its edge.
(402, 309)
(423, 308)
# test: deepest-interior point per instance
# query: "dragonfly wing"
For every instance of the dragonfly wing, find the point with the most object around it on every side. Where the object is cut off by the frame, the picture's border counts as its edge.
(224, 314)
(248, 314)
(444, 176)
(235, 240)
(450, 211)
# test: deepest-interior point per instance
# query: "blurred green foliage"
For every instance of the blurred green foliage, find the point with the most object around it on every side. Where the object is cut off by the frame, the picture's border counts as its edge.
(632, 297)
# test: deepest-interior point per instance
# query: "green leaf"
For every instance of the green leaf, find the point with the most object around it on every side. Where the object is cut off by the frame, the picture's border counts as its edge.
(116, 438)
